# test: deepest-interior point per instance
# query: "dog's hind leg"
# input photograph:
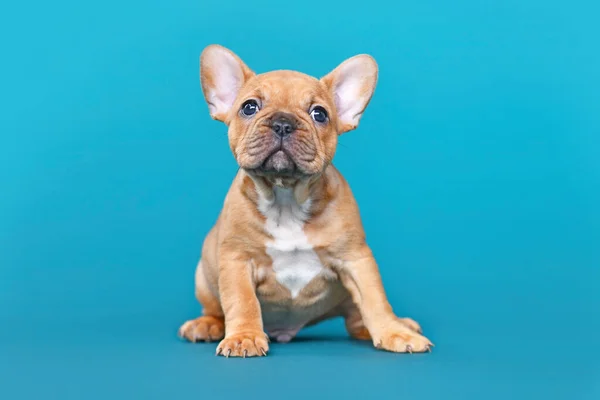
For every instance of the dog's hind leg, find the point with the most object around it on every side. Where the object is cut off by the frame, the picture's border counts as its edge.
(211, 325)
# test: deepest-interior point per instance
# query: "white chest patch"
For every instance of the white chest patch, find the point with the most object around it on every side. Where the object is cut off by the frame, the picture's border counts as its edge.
(295, 263)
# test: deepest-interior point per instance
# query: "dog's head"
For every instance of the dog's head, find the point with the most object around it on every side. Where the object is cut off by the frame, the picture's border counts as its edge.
(285, 123)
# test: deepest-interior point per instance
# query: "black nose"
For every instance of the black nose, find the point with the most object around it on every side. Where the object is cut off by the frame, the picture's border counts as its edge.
(283, 124)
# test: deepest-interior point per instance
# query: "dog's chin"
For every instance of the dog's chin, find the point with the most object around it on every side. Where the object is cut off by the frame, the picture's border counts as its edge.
(279, 164)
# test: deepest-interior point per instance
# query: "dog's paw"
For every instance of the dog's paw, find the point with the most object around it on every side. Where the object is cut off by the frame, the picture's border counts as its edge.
(400, 338)
(205, 328)
(411, 324)
(244, 344)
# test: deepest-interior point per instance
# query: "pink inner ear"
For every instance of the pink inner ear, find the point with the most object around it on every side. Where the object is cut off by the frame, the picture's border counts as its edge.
(337, 101)
(348, 100)
(228, 78)
(350, 93)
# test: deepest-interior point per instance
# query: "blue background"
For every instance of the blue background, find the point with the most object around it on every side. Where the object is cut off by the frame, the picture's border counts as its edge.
(476, 166)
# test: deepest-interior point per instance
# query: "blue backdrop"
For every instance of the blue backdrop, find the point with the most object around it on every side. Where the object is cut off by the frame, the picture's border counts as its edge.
(476, 166)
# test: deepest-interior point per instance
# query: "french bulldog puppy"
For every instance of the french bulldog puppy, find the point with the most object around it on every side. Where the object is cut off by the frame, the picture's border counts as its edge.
(288, 249)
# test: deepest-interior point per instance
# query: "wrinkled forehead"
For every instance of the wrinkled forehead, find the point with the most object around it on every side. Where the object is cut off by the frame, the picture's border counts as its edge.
(286, 89)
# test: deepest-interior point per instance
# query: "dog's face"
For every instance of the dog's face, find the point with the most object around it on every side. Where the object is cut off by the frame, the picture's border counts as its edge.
(285, 123)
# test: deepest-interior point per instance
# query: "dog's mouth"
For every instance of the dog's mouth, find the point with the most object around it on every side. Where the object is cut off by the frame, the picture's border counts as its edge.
(279, 163)
(270, 156)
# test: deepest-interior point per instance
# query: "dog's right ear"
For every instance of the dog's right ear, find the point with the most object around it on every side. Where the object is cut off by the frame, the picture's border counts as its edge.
(352, 85)
(222, 74)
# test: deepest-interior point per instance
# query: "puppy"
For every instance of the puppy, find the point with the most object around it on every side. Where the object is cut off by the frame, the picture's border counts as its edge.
(288, 249)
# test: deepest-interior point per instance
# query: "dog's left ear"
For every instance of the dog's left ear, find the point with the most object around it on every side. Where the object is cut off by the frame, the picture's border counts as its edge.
(352, 85)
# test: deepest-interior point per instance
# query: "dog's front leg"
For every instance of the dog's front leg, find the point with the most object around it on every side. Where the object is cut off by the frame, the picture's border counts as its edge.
(361, 277)
(244, 335)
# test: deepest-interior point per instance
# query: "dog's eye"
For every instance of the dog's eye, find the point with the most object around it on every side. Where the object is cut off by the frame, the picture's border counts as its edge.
(249, 108)
(319, 114)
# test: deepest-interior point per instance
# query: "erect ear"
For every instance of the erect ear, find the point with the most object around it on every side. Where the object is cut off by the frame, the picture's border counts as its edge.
(352, 85)
(222, 74)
